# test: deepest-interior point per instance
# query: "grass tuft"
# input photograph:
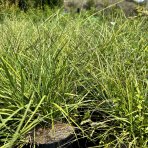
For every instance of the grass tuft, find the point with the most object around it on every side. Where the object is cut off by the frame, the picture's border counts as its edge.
(88, 70)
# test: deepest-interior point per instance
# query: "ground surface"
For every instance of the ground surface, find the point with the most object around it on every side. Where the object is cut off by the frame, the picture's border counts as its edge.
(44, 135)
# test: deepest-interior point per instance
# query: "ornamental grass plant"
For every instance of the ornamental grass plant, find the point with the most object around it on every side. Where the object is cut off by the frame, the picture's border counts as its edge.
(90, 71)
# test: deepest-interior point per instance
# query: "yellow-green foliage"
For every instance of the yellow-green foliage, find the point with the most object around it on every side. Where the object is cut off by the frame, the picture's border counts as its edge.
(54, 65)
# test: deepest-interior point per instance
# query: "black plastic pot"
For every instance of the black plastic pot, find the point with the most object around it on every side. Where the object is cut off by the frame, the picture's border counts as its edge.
(65, 143)
(61, 136)
(69, 142)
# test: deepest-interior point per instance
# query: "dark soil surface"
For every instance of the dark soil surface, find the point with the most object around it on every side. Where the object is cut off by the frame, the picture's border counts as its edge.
(44, 135)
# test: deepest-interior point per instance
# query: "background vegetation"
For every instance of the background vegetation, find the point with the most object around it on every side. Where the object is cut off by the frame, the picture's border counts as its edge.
(27, 4)
(90, 71)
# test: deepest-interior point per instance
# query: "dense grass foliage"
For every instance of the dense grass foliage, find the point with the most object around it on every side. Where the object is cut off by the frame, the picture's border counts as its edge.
(90, 71)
